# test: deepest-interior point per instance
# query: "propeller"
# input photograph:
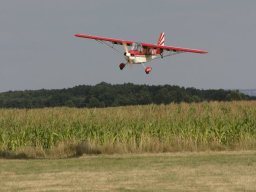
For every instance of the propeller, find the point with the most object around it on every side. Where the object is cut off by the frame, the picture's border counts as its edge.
(126, 52)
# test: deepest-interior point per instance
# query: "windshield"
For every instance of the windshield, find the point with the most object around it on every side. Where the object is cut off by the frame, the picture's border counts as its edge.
(136, 47)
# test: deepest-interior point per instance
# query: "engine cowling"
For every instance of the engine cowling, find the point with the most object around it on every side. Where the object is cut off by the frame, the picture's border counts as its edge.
(148, 70)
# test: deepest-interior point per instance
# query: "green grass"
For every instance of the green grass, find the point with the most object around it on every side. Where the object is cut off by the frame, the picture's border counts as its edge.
(215, 171)
(63, 132)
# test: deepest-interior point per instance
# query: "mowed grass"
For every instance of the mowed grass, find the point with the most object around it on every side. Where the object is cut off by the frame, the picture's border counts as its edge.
(67, 132)
(214, 171)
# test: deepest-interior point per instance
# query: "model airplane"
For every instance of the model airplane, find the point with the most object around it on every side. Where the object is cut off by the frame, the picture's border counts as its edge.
(140, 53)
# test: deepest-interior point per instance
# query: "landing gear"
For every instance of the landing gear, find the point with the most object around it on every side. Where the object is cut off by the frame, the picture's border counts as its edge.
(148, 70)
(122, 66)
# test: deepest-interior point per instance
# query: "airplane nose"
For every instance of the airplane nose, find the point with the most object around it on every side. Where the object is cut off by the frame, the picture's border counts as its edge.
(127, 54)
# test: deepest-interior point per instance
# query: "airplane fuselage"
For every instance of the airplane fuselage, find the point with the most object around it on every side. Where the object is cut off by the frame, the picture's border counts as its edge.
(136, 57)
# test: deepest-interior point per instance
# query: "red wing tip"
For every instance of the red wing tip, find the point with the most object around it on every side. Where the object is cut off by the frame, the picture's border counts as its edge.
(80, 35)
(202, 52)
(77, 35)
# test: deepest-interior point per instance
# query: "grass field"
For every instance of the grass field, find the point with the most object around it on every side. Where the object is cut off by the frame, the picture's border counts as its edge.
(214, 171)
(67, 132)
(35, 144)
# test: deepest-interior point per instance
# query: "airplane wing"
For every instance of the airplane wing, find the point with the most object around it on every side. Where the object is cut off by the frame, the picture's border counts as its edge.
(145, 45)
(97, 38)
(172, 48)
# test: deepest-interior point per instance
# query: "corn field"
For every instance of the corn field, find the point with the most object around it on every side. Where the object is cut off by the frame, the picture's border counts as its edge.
(133, 129)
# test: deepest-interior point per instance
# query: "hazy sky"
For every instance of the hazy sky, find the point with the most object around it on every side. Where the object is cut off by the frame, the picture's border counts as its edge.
(38, 49)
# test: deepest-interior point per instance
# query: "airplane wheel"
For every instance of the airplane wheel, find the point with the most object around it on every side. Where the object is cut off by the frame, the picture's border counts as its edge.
(148, 70)
(121, 66)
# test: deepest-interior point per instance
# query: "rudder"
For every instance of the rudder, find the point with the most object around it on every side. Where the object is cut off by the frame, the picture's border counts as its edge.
(161, 39)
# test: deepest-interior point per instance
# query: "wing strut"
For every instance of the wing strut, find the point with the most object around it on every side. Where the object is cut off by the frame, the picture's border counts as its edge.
(125, 47)
(111, 46)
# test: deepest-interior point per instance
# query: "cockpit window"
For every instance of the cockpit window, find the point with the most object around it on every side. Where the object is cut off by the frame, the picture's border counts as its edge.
(136, 47)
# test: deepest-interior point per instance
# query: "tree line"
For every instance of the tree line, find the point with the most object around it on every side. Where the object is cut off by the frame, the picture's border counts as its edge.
(108, 95)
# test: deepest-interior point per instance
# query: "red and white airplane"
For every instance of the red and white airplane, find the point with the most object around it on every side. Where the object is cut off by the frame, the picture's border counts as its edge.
(140, 53)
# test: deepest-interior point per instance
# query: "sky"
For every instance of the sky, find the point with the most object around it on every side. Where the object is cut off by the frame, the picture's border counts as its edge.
(38, 49)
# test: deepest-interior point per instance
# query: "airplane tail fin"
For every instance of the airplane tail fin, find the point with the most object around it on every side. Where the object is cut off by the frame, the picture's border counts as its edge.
(161, 39)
